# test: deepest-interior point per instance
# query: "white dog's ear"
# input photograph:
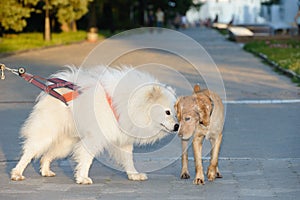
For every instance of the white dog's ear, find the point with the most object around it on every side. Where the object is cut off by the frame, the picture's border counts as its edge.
(154, 94)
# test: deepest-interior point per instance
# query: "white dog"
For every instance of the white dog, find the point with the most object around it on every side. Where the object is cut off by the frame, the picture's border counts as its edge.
(116, 108)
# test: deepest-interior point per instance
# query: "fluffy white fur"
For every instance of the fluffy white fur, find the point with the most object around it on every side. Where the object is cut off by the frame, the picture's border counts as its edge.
(88, 125)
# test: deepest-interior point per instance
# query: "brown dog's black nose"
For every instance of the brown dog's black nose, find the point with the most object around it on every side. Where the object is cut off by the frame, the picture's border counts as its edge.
(176, 127)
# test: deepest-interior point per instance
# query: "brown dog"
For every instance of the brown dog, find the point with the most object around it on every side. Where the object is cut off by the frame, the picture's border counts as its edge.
(200, 115)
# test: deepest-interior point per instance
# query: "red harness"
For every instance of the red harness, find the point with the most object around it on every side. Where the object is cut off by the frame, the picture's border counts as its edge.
(60, 83)
(50, 89)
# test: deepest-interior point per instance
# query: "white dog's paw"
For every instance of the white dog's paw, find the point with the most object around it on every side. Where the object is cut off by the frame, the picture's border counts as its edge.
(16, 176)
(84, 180)
(47, 173)
(137, 177)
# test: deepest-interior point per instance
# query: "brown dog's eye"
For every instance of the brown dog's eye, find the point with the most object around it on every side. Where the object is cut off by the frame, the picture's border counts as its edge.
(187, 119)
(168, 112)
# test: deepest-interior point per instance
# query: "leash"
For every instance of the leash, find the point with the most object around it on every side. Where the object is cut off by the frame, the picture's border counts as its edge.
(56, 83)
(41, 83)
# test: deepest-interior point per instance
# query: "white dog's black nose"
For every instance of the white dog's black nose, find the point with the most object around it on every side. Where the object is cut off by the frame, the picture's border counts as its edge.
(176, 127)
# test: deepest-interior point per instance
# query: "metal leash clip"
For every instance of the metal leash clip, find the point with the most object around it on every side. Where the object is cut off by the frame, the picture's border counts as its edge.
(2, 68)
(18, 72)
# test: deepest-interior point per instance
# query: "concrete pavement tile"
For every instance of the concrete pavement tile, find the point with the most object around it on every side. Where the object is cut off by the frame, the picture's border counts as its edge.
(288, 196)
(259, 198)
(257, 193)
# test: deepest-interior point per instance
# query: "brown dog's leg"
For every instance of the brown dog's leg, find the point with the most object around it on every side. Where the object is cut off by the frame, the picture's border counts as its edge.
(213, 171)
(197, 146)
(184, 160)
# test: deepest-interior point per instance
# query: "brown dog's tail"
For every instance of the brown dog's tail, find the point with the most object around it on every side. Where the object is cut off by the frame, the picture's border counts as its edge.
(197, 88)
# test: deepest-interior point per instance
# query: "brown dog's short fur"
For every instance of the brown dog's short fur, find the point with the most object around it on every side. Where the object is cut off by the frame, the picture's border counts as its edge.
(200, 115)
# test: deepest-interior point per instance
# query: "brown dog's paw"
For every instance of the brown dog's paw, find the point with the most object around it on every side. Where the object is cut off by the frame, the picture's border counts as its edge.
(219, 175)
(185, 175)
(211, 173)
(199, 181)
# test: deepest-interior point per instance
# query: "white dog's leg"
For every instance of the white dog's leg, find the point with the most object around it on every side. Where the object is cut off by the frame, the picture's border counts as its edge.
(45, 167)
(126, 159)
(60, 149)
(31, 150)
(46, 161)
(84, 160)
(17, 172)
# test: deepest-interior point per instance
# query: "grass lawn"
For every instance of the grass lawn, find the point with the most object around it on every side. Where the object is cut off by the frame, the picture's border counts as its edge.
(25, 41)
(285, 53)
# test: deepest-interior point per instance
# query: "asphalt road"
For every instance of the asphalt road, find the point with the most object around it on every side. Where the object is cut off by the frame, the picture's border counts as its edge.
(259, 157)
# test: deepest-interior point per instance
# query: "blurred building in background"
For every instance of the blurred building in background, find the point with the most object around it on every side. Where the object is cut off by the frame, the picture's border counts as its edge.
(239, 12)
(282, 13)
(235, 11)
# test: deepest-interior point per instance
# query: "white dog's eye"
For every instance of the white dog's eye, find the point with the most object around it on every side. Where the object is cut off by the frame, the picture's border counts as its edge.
(187, 119)
(168, 112)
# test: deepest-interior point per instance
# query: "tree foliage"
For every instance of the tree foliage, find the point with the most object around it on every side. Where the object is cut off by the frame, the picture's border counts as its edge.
(71, 10)
(68, 11)
(13, 14)
(105, 13)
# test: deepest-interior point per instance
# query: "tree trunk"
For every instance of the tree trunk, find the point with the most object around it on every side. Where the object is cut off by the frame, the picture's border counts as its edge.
(74, 26)
(1, 31)
(47, 32)
(65, 27)
(92, 15)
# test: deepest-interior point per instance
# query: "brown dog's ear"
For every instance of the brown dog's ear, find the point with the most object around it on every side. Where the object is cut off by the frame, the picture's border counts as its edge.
(177, 108)
(204, 108)
(197, 89)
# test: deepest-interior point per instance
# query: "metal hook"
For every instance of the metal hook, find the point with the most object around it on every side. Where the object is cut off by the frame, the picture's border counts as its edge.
(21, 71)
(2, 68)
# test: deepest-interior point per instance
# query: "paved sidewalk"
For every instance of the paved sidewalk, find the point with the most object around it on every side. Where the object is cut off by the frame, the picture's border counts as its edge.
(259, 158)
